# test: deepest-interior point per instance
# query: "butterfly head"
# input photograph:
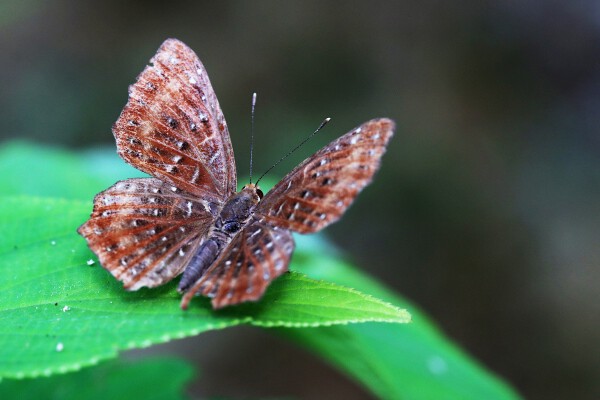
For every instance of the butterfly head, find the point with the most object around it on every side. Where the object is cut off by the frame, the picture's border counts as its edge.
(254, 191)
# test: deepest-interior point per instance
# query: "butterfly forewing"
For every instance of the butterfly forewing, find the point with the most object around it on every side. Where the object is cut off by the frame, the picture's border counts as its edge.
(144, 231)
(172, 126)
(318, 191)
(255, 256)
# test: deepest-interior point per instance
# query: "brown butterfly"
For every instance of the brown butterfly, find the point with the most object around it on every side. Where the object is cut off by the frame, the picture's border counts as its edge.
(189, 218)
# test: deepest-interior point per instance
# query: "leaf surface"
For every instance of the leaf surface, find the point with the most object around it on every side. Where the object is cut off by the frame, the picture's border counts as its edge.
(58, 313)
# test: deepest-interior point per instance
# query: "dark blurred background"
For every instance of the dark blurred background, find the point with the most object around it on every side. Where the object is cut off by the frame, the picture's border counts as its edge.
(486, 211)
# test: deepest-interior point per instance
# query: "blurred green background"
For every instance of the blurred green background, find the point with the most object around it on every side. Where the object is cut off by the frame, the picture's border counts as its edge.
(486, 211)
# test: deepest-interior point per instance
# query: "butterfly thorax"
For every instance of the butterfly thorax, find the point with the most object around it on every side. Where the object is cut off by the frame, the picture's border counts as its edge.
(234, 215)
(236, 211)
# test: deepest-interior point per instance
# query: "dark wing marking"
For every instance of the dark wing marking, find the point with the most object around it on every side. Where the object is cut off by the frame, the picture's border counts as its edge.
(319, 190)
(144, 232)
(255, 257)
(172, 126)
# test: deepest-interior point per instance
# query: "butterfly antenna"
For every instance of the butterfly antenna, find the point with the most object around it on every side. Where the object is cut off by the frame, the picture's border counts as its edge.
(252, 133)
(325, 121)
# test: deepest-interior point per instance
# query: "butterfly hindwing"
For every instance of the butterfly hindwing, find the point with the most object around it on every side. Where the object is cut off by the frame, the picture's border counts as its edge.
(256, 256)
(172, 126)
(144, 232)
(319, 190)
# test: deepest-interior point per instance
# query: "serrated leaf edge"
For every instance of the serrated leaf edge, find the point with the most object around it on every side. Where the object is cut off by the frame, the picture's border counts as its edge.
(403, 315)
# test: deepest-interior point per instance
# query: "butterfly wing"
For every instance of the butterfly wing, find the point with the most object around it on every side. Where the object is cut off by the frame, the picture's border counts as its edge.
(172, 126)
(319, 190)
(255, 257)
(144, 231)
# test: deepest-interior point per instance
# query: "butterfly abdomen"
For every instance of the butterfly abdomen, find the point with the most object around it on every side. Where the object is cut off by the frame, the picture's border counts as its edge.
(204, 257)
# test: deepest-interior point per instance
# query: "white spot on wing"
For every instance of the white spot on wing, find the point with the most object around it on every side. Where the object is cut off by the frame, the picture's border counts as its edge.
(196, 173)
(256, 232)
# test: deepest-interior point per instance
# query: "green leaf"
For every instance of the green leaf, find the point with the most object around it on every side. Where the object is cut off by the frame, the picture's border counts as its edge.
(147, 379)
(39, 171)
(412, 361)
(59, 314)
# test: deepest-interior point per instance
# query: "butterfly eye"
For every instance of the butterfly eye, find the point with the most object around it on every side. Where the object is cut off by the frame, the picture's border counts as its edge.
(259, 193)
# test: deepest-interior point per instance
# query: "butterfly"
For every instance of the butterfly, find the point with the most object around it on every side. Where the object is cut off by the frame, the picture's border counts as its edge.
(189, 218)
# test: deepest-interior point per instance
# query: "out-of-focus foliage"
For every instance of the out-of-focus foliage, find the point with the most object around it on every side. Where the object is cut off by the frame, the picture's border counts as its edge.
(146, 379)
